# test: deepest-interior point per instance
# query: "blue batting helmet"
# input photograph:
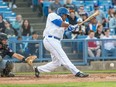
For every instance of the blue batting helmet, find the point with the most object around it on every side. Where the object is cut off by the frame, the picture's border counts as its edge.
(62, 11)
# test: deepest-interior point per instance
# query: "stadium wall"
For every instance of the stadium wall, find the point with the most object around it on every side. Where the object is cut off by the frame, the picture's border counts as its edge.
(95, 65)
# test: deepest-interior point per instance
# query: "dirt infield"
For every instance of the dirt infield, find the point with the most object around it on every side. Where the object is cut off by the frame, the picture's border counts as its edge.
(45, 79)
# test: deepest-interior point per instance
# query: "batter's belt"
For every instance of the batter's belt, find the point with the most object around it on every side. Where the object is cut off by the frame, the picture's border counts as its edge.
(50, 36)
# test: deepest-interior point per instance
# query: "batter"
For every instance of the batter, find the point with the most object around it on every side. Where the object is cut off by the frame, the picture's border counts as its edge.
(53, 34)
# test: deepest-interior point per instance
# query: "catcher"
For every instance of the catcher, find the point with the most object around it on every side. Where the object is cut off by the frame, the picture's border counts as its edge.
(5, 65)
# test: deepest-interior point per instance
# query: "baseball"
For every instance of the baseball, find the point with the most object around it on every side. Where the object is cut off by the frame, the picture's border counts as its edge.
(111, 64)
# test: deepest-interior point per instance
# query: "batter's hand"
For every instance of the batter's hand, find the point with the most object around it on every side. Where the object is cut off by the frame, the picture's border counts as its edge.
(30, 59)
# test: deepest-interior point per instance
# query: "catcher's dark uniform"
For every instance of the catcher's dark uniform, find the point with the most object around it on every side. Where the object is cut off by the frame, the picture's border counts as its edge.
(5, 50)
(5, 65)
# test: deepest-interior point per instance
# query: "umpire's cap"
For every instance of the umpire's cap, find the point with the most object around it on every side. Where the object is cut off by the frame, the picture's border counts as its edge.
(62, 11)
(3, 36)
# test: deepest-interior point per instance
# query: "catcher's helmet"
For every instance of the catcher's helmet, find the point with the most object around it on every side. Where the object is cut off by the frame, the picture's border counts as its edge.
(62, 11)
(3, 36)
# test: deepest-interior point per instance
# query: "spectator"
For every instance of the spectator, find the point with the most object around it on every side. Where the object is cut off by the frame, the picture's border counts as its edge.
(79, 30)
(93, 46)
(14, 4)
(82, 28)
(34, 47)
(110, 13)
(73, 20)
(17, 24)
(92, 25)
(37, 6)
(54, 6)
(101, 17)
(84, 16)
(20, 47)
(112, 24)
(99, 33)
(71, 7)
(26, 29)
(109, 45)
(114, 2)
(2, 24)
(40, 11)
(9, 30)
(11, 3)
(81, 11)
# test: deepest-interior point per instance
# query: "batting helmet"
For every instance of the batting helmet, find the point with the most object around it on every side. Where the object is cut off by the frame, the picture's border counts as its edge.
(62, 11)
(3, 36)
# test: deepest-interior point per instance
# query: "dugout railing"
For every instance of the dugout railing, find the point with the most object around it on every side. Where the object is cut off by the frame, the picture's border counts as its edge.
(105, 54)
(79, 58)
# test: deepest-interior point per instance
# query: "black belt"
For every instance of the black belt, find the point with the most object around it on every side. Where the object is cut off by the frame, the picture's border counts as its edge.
(50, 36)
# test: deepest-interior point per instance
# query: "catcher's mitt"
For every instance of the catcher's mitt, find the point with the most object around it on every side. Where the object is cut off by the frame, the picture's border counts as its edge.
(30, 59)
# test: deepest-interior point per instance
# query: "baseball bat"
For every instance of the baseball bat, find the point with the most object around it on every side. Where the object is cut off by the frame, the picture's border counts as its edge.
(89, 18)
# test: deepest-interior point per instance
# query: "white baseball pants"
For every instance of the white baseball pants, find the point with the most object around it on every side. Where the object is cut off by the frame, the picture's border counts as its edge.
(58, 56)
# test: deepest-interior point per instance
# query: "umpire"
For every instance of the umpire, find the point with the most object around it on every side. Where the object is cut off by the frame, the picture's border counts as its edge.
(5, 65)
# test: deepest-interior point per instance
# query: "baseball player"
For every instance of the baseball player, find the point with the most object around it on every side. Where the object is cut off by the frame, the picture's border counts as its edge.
(5, 65)
(53, 33)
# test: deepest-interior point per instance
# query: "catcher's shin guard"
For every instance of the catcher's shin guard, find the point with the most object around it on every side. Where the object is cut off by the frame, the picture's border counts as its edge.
(7, 71)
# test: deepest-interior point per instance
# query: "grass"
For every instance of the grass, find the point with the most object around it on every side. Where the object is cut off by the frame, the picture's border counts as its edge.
(79, 84)
(68, 72)
(102, 71)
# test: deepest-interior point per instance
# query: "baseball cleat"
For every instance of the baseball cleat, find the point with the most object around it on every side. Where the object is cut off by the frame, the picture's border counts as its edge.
(80, 74)
(36, 72)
